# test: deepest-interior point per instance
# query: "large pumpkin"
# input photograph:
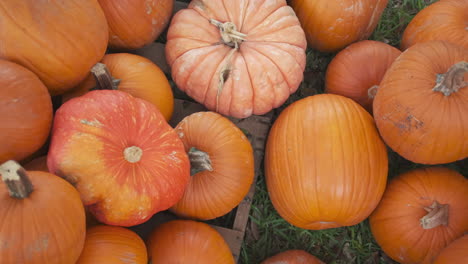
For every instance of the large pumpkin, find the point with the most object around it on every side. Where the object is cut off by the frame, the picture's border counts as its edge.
(43, 219)
(331, 25)
(455, 252)
(25, 112)
(121, 155)
(325, 164)
(237, 58)
(293, 256)
(58, 40)
(421, 212)
(422, 103)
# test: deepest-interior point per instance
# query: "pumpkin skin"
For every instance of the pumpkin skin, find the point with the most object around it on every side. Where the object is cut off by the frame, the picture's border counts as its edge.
(455, 252)
(410, 115)
(113, 244)
(135, 23)
(53, 43)
(315, 191)
(25, 112)
(293, 256)
(443, 20)
(122, 156)
(344, 78)
(230, 157)
(138, 76)
(187, 241)
(47, 226)
(402, 208)
(331, 25)
(254, 78)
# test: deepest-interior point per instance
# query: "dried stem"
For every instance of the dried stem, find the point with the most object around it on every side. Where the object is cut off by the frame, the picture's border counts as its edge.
(199, 161)
(104, 80)
(453, 80)
(437, 215)
(16, 179)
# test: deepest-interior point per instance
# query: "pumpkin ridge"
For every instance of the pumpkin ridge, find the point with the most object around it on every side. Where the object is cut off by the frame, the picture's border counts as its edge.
(264, 18)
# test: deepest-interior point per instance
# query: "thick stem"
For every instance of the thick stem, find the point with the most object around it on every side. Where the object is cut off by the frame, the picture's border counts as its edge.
(16, 179)
(229, 34)
(104, 80)
(372, 92)
(437, 215)
(453, 80)
(133, 154)
(199, 161)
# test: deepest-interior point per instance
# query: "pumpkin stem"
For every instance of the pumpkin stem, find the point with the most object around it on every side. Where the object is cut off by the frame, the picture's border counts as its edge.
(104, 80)
(199, 161)
(437, 215)
(372, 92)
(453, 80)
(16, 179)
(133, 154)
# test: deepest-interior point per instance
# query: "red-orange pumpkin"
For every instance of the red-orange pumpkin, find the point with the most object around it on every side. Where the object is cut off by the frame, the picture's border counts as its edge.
(455, 252)
(325, 164)
(293, 256)
(331, 25)
(357, 70)
(421, 212)
(58, 40)
(251, 68)
(121, 155)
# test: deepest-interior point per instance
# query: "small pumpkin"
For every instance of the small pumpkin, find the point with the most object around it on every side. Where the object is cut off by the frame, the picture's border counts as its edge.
(357, 70)
(43, 219)
(293, 256)
(421, 212)
(455, 252)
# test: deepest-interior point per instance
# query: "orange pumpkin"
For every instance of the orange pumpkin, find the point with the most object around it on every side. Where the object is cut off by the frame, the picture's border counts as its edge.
(325, 164)
(357, 70)
(455, 252)
(293, 256)
(43, 219)
(237, 58)
(331, 25)
(121, 155)
(25, 112)
(421, 212)
(58, 40)
(186, 241)
(222, 162)
(421, 106)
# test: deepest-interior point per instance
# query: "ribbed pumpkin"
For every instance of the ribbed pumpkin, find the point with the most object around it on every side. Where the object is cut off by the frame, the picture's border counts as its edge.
(121, 155)
(237, 58)
(422, 103)
(357, 70)
(222, 165)
(455, 252)
(186, 241)
(331, 25)
(293, 256)
(58, 40)
(325, 164)
(421, 212)
(25, 112)
(43, 219)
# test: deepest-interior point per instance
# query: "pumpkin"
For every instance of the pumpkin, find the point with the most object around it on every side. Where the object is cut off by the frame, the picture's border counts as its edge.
(43, 219)
(136, 75)
(325, 164)
(455, 252)
(58, 40)
(135, 23)
(112, 244)
(221, 161)
(25, 112)
(331, 25)
(421, 106)
(237, 58)
(421, 212)
(187, 241)
(121, 155)
(37, 164)
(443, 20)
(357, 70)
(293, 256)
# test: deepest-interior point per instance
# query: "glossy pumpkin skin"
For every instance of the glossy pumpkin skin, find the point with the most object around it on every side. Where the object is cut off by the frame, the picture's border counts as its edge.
(422, 125)
(455, 252)
(231, 158)
(113, 244)
(25, 112)
(186, 241)
(135, 23)
(325, 164)
(122, 156)
(53, 43)
(331, 25)
(292, 257)
(443, 20)
(259, 76)
(138, 76)
(358, 68)
(402, 207)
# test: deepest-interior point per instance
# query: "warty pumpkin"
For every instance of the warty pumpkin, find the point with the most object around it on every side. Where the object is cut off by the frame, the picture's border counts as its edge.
(293, 256)
(455, 252)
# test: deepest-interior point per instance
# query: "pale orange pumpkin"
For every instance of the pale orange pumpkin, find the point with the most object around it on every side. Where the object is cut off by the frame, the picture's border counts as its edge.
(455, 252)
(293, 256)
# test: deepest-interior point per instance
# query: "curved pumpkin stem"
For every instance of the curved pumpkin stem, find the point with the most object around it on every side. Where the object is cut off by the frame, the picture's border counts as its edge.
(452, 80)
(16, 179)
(372, 92)
(437, 215)
(104, 80)
(199, 161)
